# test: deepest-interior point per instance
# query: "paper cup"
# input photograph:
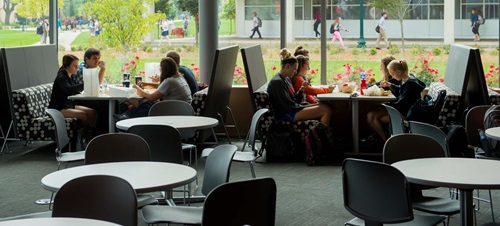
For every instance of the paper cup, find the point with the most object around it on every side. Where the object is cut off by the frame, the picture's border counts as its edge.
(126, 83)
(138, 79)
(126, 76)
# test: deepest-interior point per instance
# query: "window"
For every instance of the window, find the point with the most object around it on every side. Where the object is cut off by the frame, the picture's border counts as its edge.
(266, 9)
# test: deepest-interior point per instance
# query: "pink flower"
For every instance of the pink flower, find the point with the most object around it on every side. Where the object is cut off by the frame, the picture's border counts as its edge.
(132, 62)
(426, 61)
(126, 64)
(317, 69)
(441, 79)
(274, 68)
(236, 65)
(123, 70)
(496, 68)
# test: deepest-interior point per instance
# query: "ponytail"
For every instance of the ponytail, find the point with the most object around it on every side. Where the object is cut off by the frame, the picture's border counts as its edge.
(66, 62)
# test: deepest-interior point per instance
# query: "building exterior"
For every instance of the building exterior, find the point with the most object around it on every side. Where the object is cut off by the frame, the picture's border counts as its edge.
(427, 19)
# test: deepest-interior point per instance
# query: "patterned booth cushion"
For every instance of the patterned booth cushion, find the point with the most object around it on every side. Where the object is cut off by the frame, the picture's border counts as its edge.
(30, 117)
(261, 99)
(198, 103)
(448, 113)
(494, 97)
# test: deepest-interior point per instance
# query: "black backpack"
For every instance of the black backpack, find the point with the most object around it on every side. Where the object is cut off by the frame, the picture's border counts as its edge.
(426, 110)
(332, 29)
(39, 29)
(457, 141)
(280, 144)
(320, 146)
(259, 22)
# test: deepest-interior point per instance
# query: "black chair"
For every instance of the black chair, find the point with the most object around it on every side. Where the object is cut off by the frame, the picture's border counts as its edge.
(378, 194)
(411, 146)
(164, 141)
(397, 121)
(120, 147)
(431, 131)
(99, 197)
(255, 203)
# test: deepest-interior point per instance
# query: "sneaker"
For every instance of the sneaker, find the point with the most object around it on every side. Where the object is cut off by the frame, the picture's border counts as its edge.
(119, 117)
(372, 139)
(378, 48)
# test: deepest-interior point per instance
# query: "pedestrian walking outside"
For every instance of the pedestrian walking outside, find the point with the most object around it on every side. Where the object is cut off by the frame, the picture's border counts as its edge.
(382, 32)
(185, 25)
(336, 31)
(255, 25)
(165, 25)
(317, 21)
(46, 28)
(474, 18)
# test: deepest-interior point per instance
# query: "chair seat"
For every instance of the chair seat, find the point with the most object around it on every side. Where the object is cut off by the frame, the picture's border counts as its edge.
(144, 200)
(206, 152)
(418, 220)
(436, 205)
(168, 214)
(239, 156)
(71, 156)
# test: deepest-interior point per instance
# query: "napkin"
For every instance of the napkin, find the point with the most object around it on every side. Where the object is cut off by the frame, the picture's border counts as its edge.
(91, 82)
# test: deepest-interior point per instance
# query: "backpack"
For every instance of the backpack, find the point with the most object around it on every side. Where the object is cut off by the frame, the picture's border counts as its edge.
(39, 29)
(319, 146)
(457, 141)
(280, 143)
(332, 29)
(426, 110)
(377, 29)
(259, 22)
(492, 117)
(480, 19)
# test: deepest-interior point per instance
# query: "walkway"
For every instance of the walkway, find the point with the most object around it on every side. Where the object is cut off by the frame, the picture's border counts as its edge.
(66, 38)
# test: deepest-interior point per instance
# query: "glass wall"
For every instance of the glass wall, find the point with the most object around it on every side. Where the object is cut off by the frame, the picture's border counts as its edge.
(489, 8)
(266, 9)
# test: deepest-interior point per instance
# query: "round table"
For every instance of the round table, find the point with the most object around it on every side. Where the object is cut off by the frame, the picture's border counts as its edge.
(143, 176)
(462, 173)
(493, 133)
(56, 221)
(178, 122)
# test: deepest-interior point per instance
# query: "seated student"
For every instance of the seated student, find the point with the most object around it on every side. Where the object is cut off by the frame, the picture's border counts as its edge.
(387, 82)
(300, 50)
(64, 86)
(172, 87)
(285, 100)
(91, 59)
(300, 77)
(409, 90)
(185, 71)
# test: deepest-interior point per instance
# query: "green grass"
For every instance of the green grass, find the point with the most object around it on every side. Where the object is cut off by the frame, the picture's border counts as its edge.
(81, 39)
(10, 38)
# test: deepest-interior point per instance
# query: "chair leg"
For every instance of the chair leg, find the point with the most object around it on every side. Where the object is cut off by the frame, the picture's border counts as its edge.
(234, 121)
(5, 137)
(251, 169)
(491, 206)
(225, 128)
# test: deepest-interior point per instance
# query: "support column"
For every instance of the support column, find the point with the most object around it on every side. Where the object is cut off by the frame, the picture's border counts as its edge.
(151, 10)
(283, 26)
(289, 21)
(449, 22)
(54, 31)
(324, 21)
(209, 40)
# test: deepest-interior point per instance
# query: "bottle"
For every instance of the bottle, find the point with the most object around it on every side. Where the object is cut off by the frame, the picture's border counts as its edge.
(363, 82)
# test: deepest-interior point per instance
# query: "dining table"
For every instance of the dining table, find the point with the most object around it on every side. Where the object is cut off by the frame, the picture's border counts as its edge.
(56, 221)
(465, 174)
(355, 98)
(143, 176)
(180, 122)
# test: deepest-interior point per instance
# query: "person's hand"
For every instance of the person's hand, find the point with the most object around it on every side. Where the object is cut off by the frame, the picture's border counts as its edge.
(331, 88)
(384, 83)
(155, 78)
(346, 30)
(135, 86)
(102, 64)
(304, 85)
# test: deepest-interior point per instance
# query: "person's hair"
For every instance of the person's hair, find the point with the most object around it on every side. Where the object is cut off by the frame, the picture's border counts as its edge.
(286, 57)
(174, 55)
(254, 13)
(386, 60)
(302, 60)
(168, 68)
(91, 52)
(336, 20)
(299, 50)
(383, 13)
(66, 62)
(399, 65)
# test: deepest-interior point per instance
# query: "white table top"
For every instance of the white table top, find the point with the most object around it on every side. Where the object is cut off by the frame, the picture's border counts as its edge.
(102, 97)
(56, 221)
(493, 133)
(461, 173)
(346, 96)
(143, 176)
(178, 122)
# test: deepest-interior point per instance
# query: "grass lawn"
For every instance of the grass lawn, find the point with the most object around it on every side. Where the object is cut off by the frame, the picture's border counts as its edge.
(10, 38)
(81, 39)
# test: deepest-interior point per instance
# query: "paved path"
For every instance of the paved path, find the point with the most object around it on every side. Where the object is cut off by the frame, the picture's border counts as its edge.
(66, 38)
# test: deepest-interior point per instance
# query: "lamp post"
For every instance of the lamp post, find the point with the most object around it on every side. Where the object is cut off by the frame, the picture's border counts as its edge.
(361, 42)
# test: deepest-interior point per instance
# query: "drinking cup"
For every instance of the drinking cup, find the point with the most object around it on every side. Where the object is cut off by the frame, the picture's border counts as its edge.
(126, 76)
(138, 79)
(126, 83)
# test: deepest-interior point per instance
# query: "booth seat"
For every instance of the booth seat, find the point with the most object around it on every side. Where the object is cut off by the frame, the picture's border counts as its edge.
(32, 122)
(261, 98)
(448, 114)
(494, 97)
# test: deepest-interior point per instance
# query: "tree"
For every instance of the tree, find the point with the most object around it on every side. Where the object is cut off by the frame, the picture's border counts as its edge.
(8, 7)
(397, 9)
(35, 8)
(166, 7)
(124, 23)
(190, 6)
(229, 12)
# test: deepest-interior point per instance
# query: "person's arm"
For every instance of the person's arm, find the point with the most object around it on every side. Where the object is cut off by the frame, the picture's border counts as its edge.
(102, 66)
(156, 95)
(67, 87)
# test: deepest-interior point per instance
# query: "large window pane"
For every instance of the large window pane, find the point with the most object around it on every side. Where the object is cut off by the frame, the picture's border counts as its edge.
(436, 12)
(328, 12)
(466, 10)
(298, 13)
(264, 13)
(417, 12)
(472, 1)
(260, 2)
(491, 11)
(436, 1)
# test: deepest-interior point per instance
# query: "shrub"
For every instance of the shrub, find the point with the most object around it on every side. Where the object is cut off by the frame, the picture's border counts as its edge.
(164, 49)
(373, 51)
(178, 49)
(436, 51)
(315, 50)
(363, 50)
(494, 52)
(446, 48)
(481, 50)
(148, 49)
(61, 48)
(393, 48)
(416, 49)
(336, 50)
(355, 51)
(74, 48)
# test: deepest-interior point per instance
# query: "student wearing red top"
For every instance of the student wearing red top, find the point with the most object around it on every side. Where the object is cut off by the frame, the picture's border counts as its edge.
(300, 77)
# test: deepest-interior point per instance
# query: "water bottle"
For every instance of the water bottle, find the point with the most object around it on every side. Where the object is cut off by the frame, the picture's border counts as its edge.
(363, 82)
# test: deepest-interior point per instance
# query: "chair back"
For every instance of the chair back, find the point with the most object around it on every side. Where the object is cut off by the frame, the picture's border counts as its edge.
(116, 147)
(474, 120)
(174, 107)
(411, 146)
(376, 192)
(61, 133)
(397, 120)
(431, 131)
(164, 141)
(217, 167)
(255, 70)
(248, 202)
(253, 129)
(99, 197)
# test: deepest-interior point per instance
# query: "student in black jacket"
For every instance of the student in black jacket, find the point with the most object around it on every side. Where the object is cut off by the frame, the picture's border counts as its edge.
(285, 100)
(409, 92)
(65, 86)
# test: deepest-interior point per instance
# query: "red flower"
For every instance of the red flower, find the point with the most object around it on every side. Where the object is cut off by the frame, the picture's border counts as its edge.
(192, 65)
(441, 79)
(491, 71)
(415, 67)
(137, 57)
(132, 62)
(496, 68)
(123, 70)
(492, 66)
(126, 64)
(274, 68)
(236, 65)
(313, 72)
(426, 61)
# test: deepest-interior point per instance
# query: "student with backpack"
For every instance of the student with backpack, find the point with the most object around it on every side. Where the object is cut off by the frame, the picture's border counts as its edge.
(256, 24)
(336, 31)
(475, 23)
